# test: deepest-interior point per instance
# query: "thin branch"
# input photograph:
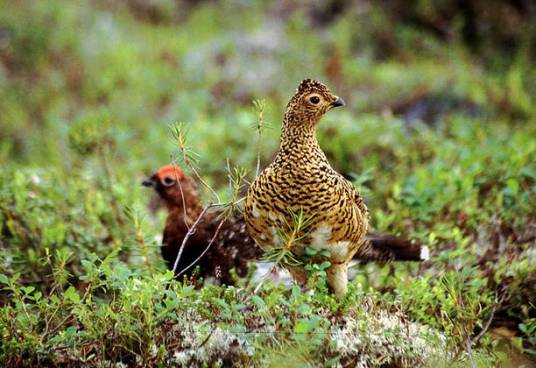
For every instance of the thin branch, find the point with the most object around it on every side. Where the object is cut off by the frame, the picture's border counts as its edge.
(60, 325)
(177, 180)
(470, 353)
(206, 249)
(259, 106)
(485, 327)
(207, 338)
(190, 232)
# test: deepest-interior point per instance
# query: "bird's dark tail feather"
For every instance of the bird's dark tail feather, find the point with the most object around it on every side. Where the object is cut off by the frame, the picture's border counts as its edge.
(387, 248)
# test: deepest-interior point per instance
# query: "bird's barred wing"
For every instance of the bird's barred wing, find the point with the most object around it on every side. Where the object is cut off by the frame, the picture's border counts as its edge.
(354, 196)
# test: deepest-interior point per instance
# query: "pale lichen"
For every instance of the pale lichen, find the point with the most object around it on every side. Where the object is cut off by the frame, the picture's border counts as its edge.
(366, 336)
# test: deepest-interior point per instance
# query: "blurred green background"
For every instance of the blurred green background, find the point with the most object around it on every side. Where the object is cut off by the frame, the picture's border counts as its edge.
(134, 67)
(439, 134)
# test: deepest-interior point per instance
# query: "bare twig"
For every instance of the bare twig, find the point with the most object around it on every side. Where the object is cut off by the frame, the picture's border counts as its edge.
(470, 352)
(190, 232)
(207, 338)
(205, 250)
(485, 327)
(60, 325)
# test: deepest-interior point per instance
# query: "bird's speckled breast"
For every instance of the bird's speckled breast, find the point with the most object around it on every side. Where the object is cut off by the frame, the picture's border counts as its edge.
(288, 186)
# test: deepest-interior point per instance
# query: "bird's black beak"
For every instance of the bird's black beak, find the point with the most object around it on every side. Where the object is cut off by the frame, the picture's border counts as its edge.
(148, 182)
(338, 102)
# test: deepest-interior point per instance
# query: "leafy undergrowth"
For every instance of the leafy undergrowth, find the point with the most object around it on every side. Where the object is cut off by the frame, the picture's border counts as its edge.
(440, 140)
(149, 322)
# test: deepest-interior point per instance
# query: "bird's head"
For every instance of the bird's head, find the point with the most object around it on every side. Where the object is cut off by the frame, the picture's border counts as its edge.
(310, 102)
(173, 186)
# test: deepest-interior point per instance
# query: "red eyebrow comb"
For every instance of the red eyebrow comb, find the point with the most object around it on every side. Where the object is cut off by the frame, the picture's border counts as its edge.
(172, 170)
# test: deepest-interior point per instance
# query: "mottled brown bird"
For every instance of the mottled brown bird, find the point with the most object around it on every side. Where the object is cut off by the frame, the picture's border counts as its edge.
(232, 246)
(301, 180)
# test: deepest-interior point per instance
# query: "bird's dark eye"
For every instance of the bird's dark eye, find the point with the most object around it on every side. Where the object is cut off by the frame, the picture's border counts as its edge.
(168, 181)
(315, 99)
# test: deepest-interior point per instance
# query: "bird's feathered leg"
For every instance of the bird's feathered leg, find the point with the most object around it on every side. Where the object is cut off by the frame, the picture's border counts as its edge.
(337, 275)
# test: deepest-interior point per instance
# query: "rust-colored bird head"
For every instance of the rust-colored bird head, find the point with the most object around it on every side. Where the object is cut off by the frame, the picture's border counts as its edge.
(174, 187)
(310, 102)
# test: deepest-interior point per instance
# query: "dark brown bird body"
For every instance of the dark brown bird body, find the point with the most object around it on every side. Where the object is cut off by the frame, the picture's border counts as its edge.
(232, 247)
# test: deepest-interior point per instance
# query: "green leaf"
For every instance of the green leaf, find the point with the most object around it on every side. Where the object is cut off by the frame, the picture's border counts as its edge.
(513, 185)
(4, 279)
(168, 275)
(301, 327)
(257, 300)
(222, 303)
(304, 309)
(310, 251)
(28, 289)
(239, 307)
(325, 253)
(71, 295)
(54, 299)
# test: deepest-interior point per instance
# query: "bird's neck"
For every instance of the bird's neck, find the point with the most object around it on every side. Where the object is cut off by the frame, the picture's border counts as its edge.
(298, 140)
